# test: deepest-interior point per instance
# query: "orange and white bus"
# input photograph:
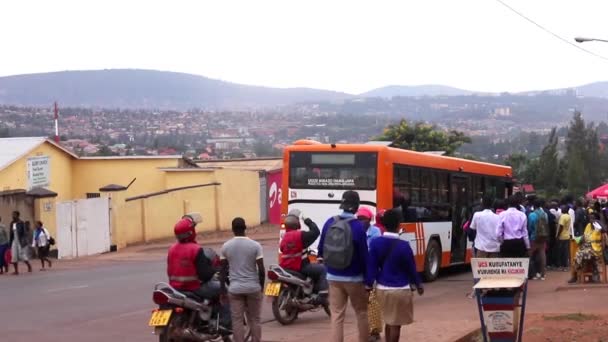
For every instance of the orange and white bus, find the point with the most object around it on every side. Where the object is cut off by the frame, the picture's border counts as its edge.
(442, 191)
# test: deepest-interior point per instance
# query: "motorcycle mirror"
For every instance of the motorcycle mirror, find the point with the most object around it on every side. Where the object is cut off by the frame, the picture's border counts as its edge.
(195, 217)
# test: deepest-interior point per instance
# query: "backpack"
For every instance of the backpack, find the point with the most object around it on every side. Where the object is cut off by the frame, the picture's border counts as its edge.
(338, 246)
(542, 225)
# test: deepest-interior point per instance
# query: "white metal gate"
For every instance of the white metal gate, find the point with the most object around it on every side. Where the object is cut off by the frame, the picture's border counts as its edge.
(83, 227)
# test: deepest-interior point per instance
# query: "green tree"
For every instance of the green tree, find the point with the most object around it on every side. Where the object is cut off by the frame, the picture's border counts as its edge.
(549, 164)
(105, 151)
(423, 137)
(577, 155)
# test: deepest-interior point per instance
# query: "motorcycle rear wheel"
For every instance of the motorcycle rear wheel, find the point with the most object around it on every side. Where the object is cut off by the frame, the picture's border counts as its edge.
(280, 302)
(165, 336)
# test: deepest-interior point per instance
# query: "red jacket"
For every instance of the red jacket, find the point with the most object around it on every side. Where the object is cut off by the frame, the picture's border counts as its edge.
(292, 250)
(181, 266)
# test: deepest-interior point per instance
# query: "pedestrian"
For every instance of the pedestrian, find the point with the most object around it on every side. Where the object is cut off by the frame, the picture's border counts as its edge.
(4, 245)
(242, 262)
(580, 218)
(513, 231)
(379, 224)
(499, 206)
(371, 231)
(485, 223)
(589, 248)
(563, 239)
(538, 230)
(19, 243)
(393, 268)
(294, 253)
(552, 213)
(373, 308)
(346, 262)
(42, 241)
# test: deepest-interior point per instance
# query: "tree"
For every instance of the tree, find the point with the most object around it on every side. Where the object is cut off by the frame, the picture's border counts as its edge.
(578, 155)
(549, 164)
(264, 149)
(423, 137)
(105, 151)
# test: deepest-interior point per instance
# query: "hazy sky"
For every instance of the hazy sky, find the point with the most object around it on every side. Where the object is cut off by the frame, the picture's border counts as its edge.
(350, 46)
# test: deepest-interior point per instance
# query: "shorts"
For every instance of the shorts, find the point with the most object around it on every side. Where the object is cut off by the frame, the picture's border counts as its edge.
(397, 306)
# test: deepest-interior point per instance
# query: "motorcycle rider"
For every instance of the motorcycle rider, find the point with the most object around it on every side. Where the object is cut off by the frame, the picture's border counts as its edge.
(294, 253)
(189, 269)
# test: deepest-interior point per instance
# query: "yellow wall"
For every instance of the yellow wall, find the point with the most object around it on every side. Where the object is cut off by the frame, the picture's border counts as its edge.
(239, 196)
(45, 211)
(92, 174)
(178, 179)
(149, 218)
(153, 218)
(15, 175)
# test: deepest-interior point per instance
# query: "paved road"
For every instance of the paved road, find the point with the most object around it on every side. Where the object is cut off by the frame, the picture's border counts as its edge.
(107, 302)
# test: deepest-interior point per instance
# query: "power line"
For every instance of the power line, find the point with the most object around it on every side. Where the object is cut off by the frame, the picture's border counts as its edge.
(550, 32)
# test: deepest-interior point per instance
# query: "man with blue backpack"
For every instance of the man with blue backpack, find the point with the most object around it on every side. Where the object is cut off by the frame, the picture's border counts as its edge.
(343, 249)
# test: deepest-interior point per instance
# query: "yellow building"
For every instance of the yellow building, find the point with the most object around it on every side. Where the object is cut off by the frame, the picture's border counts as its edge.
(146, 194)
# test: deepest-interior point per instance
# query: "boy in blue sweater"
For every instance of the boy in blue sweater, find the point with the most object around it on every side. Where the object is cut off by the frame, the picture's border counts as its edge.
(392, 267)
(348, 283)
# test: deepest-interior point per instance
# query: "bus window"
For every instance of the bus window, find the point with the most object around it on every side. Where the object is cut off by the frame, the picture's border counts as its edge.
(425, 186)
(338, 170)
(443, 188)
(415, 180)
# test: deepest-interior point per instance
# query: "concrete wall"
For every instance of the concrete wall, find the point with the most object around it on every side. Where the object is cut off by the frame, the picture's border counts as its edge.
(153, 217)
(91, 174)
(45, 211)
(17, 201)
(239, 196)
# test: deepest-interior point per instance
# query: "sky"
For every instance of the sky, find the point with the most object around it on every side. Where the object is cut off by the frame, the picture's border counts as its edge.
(350, 46)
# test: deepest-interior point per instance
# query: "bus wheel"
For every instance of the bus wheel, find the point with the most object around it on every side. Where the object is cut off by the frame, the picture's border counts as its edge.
(432, 261)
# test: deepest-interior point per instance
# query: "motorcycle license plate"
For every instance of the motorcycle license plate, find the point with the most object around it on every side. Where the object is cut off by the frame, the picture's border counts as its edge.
(160, 318)
(272, 289)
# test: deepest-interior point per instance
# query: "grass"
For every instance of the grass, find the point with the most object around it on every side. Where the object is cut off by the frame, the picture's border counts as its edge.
(578, 317)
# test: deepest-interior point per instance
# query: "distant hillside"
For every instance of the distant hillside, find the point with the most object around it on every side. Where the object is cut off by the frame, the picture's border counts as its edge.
(132, 88)
(420, 90)
(597, 89)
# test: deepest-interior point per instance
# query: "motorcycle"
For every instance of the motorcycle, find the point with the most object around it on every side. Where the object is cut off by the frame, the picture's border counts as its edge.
(183, 316)
(292, 294)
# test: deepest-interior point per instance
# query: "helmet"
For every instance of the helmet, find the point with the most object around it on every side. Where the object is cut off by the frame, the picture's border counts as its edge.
(184, 229)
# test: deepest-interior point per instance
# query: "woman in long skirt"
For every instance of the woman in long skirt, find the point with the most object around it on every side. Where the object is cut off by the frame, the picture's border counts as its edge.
(19, 245)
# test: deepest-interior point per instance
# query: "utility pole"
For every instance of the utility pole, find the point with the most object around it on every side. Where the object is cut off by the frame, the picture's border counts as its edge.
(56, 123)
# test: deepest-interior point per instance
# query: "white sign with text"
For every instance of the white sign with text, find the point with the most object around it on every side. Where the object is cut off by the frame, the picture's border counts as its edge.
(498, 268)
(38, 172)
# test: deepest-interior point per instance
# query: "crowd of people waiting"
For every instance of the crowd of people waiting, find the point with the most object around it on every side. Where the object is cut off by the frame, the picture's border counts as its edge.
(543, 231)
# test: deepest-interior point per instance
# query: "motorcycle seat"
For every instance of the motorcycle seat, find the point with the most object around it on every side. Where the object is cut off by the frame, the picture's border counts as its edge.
(296, 274)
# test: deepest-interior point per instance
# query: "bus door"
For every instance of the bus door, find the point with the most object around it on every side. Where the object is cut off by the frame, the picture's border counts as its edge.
(459, 193)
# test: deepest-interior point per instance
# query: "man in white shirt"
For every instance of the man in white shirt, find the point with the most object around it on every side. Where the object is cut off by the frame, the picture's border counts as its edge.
(486, 223)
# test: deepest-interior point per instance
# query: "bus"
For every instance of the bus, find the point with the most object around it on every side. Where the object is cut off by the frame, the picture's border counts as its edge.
(441, 191)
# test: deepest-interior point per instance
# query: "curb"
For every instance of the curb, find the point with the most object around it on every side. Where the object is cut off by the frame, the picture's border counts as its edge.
(583, 287)
(205, 243)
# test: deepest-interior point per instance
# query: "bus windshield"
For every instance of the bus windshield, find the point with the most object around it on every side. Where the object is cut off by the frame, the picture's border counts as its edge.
(333, 170)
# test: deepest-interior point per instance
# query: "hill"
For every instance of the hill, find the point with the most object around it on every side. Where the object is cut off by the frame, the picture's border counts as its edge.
(419, 90)
(147, 89)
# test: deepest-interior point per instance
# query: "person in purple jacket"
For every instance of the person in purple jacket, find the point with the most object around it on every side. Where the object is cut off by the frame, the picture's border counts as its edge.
(348, 283)
(392, 267)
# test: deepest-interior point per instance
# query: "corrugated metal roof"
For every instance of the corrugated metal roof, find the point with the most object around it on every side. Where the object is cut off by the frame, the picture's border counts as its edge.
(245, 164)
(11, 149)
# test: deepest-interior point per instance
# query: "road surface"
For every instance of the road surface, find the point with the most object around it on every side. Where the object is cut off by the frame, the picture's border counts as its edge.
(111, 301)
